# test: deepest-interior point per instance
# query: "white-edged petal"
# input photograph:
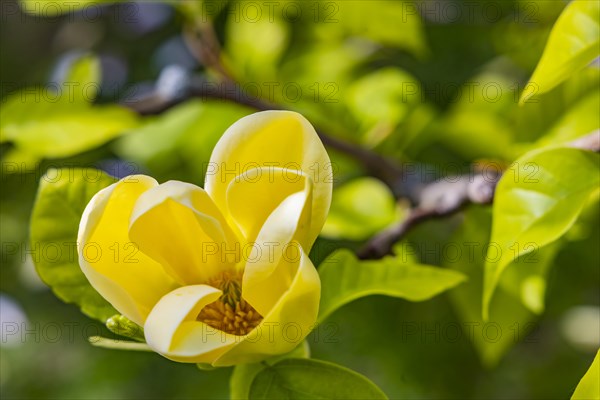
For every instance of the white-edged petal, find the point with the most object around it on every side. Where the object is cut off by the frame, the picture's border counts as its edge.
(173, 331)
(127, 278)
(282, 139)
(288, 323)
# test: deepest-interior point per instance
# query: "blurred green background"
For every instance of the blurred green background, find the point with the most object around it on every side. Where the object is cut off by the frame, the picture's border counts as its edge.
(435, 83)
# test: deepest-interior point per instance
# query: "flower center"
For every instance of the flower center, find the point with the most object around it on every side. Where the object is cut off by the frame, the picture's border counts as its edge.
(230, 313)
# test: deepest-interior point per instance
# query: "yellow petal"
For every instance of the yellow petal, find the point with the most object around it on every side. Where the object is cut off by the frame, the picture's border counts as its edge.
(131, 281)
(272, 264)
(179, 226)
(281, 139)
(253, 196)
(173, 331)
(288, 323)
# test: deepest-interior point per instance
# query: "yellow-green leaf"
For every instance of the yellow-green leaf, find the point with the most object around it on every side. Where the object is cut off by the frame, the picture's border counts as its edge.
(344, 278)
(390, 23)
(254, 48)
(537, 200)
(84, 76)
(180, 139)
(359, 209)
(54, 130)
(61, 199)
(589, 386)
(510, 321)
(59, 121)
(579, 120)
(573, 43)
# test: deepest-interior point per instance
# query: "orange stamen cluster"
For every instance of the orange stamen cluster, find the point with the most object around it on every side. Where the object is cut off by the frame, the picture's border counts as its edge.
(230, 313)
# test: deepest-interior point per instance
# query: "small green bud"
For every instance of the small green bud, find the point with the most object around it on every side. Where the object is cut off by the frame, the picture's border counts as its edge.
(122, 326)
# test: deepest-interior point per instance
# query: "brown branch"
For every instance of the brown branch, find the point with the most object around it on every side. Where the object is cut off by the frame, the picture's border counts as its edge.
(438, 199)
(588, 142)
(381, 167)
(448, 196)
(203, 41)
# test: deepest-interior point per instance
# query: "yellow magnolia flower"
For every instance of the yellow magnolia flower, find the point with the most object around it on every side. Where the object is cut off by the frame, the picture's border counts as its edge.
(222, 274)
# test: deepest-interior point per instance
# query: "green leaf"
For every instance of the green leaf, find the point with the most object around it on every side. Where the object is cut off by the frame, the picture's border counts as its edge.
(381, 100)
(537, 200)
(525, 278)
(477, 125)
(324, 63)
(61, 199)
(487, 135)
(523, 41)
(589, 386)
(312, 379)
(60, 121)
(510, 321)
(578, 121)
(389, 23)
(86, 76)
(344, 278)
(61, 129)
(244, 374)
(155, 143)
(179, 139)
(574, 42)
(159, 135)
(537, 119)
(359, 209)
(254, 47)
